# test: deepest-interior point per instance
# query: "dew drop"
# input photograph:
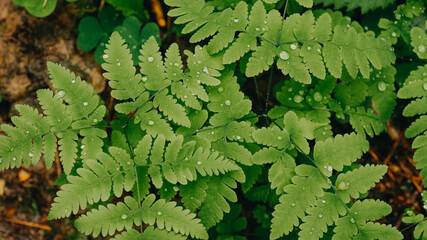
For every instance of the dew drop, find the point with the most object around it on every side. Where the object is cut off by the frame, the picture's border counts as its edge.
(159, 213)
(382, 86)
(311, 233)
(61, 94)
(118, 64)
(421, 48)
(82, 146)
(176, 64)
(330, 169)
(393, 34)
(348, 25)
(85, 104)
(318, 50)
(150, 59)
(238, 137)
(279, 138)
(317, 96)
(323, 201)
(308, 48)
(293, 46)
(236, 20)
(212, 132)
(227, 102)
(290, 89)
(95, 120)
(205, 70)
(293, 204)
(66, 210)
(144, 79)
(342, 186)
(124, 216)
(73, 81)
(298, 98)
(320, 215)
(352, 220)
(14, 158)
(220, 89)
(185, 96)
(199, 163)
(128, 162)
(105, 56)
(30, 154)
(256, 29)
(150, 123)
(425, 86)
(284, 55)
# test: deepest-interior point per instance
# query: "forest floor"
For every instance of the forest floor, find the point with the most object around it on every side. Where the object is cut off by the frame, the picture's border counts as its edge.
(27, 43)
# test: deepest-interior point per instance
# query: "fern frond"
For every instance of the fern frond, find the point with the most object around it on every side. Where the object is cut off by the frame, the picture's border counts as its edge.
(95, 183)
(150, 233)
(358, 181)
(365, 5)
(215, 202)
(307, 185)
(339, 152)
(166, 215)
(298, 50)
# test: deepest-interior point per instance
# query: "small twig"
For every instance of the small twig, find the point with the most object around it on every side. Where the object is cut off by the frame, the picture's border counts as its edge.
(29, 224)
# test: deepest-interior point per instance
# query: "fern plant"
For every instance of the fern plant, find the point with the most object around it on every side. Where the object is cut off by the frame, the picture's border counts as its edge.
(185, 137)
(415, 87)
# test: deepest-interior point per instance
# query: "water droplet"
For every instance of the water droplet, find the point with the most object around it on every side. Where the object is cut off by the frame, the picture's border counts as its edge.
(105, 56)
(323, 133)
(30, 154)
(117, 169)
(205, 70)
(159, 213)
(318, 50)
(284, 55)
(73, 81)
(366, 28)
(311, 233)
(320, 215)
(238, 137)
(330, 169)
(150, 59)
(298, 98)
(185, 96)
(342, 186)
(293, 204)
(421, 48)
(85, 104)
(176, 64)
(323, 201)
(236, 20)
(61, 94)
(199, 163)
(124, 216)
(95, 120)
(118, 64)
(256, 29)
(393, 34)
(317, 96)
(308, 48)
(82, 146)
(293, 46)
(128, 162)
(14, 158)
(279, 138)
(425, 86)
(66, 210)
(220, 89)
(150, 123)
(382, 86)
(175, 188)
(144, 79)
(352, 220)
(198, 61)
(186, 158)
(227, 102)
